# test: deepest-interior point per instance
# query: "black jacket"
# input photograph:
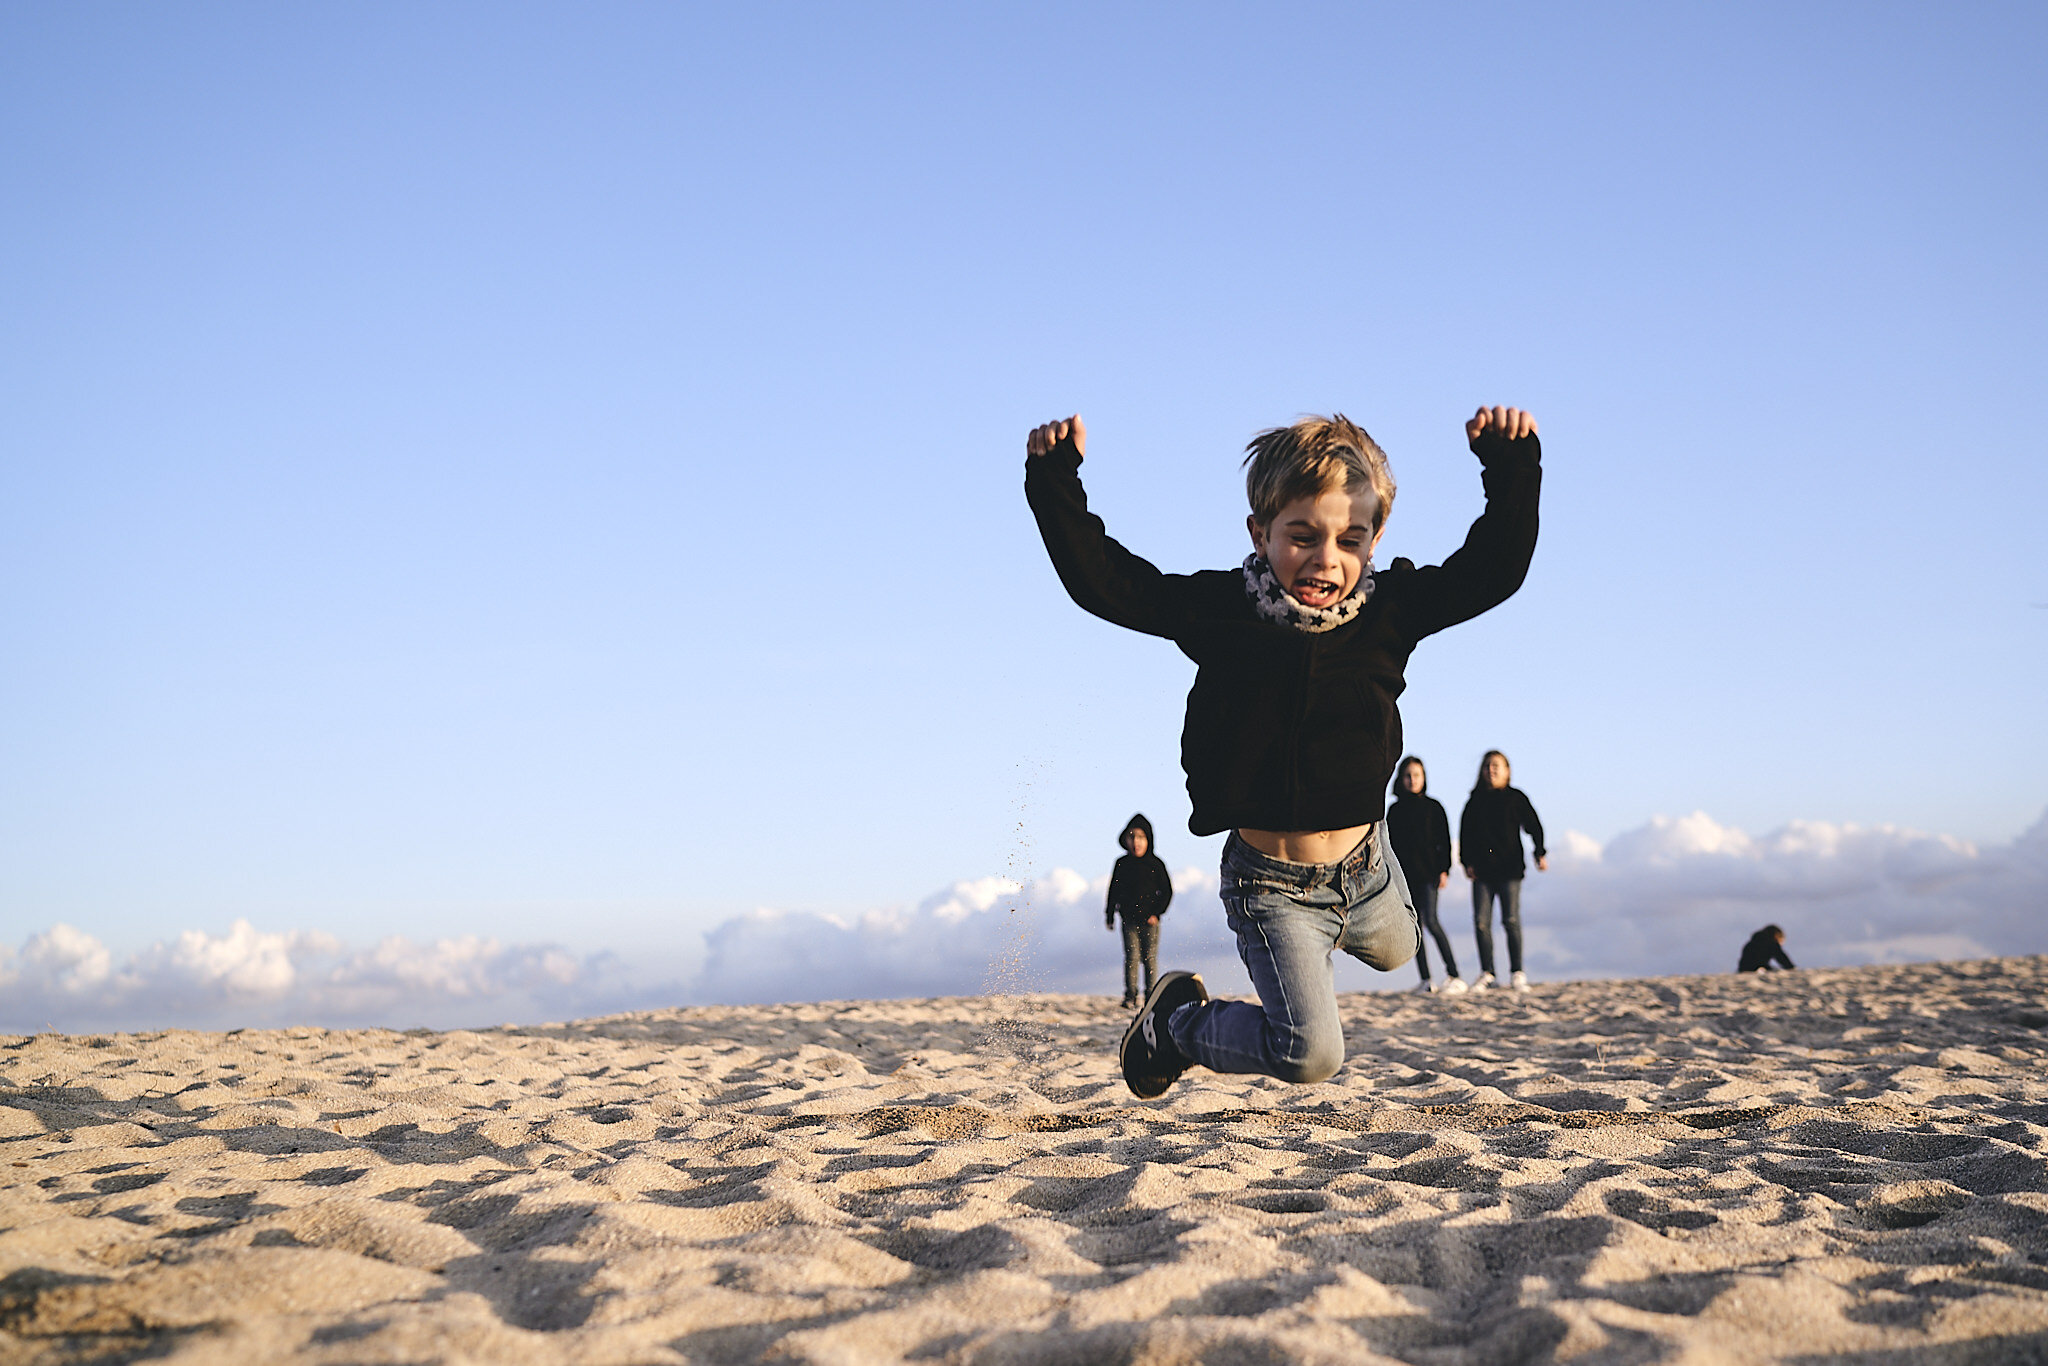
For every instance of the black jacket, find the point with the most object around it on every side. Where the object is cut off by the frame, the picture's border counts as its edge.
(1761, 951)
(1288, 730)
(1420, 831)
(1139, 888)
(1490, 833)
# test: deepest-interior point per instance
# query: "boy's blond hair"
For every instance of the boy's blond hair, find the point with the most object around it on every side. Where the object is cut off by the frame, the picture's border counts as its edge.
(1317, 455)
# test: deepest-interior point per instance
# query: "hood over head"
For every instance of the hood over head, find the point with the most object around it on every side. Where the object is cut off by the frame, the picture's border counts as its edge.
(1138, 822)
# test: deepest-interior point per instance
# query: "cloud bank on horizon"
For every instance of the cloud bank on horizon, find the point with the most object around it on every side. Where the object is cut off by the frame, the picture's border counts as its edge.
(1673, 896)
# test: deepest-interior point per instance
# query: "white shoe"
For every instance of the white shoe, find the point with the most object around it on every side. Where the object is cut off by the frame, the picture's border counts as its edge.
(1482, 981)
(1425, 986)
(1455, 987)
(1519, 981)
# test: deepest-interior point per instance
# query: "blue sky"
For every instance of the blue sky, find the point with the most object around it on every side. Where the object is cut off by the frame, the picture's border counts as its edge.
(555, 473)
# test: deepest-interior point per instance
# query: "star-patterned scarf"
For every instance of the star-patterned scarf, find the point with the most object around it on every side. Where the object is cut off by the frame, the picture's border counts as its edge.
(1276, 604)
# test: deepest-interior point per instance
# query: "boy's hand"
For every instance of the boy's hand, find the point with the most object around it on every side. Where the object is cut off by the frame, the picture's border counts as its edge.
(1043, 439)
(1509, 422)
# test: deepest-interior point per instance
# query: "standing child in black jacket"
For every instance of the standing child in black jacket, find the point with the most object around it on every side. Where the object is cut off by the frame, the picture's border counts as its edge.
(1139, 891)
(1292, 728)
(1490, 847)
(1421, 835)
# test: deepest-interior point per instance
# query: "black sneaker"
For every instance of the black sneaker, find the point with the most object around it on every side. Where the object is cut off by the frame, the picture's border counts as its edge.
(1150, 1059)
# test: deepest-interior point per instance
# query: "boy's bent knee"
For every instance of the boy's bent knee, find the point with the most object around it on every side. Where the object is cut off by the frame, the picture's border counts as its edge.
(1390, 950)
(1318, 1063)
(1386, 960)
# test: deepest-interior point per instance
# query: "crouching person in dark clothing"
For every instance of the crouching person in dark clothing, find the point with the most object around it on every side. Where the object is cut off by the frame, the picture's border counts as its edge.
(1139, 891)
(1765, 948)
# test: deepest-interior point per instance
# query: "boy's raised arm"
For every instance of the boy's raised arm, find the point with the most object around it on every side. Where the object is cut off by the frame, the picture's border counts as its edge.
(1100, 575)
(1486, 570)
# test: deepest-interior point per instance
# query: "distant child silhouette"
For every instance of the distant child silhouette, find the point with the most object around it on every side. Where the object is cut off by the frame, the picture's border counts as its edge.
(1765, 948)
(1139, 891)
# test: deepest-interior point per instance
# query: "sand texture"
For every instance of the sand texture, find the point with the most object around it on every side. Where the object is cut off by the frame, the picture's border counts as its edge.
(1831, 1165)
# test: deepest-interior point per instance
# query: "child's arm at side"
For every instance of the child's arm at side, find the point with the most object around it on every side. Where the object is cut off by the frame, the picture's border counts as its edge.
(1100, 575)
(1440, 831)
(1535, 828)
(1490, 566)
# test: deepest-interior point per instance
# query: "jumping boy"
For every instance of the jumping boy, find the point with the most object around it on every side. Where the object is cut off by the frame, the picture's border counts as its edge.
(1292, 729)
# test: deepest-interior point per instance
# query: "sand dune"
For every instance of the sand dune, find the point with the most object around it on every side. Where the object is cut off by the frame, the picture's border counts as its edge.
(1821, 1165)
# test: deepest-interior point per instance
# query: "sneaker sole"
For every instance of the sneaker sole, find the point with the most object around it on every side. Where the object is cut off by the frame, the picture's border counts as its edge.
(1159, 988)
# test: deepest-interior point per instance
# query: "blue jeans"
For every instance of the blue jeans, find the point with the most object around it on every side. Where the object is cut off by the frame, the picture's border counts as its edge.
(1509, 893)
(1289, 918)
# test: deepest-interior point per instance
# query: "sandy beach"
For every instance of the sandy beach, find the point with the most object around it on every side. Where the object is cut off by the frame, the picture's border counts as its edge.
(1822, 1165)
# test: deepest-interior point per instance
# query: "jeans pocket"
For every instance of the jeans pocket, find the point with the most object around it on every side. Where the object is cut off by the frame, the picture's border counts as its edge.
(1253, 881)
(1246, 899)
(1261, 902)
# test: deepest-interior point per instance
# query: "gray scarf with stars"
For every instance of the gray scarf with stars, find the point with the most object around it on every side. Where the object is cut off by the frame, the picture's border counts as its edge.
(1276, 604)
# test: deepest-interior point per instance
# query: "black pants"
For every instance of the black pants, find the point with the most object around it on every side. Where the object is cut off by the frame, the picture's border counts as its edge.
(1141, 945)
(1508, 891)
(1425, 919)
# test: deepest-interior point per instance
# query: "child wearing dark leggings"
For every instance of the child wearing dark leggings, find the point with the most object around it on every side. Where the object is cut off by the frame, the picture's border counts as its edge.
(1490, 848)
(1421, 835)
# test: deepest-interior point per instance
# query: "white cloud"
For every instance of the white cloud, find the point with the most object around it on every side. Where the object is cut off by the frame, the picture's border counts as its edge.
(70, 958)
(969, 897)
(1045, 935)
(1673, 896)
(1681, 895)
(65, 978)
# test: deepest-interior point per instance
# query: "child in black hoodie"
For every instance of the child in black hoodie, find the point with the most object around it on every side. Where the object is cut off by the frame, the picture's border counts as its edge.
(1421, 835)
(1292, 728)
(1765, 948)
(1139, 891)
(1490, 848)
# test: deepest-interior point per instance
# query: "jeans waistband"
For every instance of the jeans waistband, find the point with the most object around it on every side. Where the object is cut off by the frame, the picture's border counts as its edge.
(1302, 875)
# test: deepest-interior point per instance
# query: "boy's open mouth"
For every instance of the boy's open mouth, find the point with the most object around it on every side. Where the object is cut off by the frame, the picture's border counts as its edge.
(1313, 592)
